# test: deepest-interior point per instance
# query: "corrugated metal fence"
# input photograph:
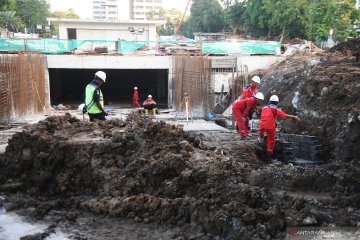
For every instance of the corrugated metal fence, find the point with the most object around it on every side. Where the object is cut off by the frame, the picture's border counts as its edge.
(22, 85)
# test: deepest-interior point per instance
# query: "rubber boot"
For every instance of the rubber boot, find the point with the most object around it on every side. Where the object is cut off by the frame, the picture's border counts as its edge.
(146, 111)
(154, 111)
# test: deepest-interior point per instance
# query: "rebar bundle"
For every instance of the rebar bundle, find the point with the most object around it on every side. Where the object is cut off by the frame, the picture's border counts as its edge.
(22, 85)
(192, 75)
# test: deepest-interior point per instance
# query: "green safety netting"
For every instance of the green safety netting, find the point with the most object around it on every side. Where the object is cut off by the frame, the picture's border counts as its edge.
(244, 48)
(129, 47)
(55, 46)
(51, 46)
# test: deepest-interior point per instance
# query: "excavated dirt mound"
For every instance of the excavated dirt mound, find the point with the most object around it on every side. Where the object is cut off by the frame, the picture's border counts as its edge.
(207, 186)
(348, 48)
(324, 91)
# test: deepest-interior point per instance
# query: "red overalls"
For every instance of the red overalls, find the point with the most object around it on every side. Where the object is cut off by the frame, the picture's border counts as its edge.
(240, 109)
(267, 124)
(248, 91)
(149, 103)
(136, 99)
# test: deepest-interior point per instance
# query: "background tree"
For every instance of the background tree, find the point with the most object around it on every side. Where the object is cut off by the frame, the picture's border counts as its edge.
(172, 18)
(256, 18)
(235, 16)
(6, 5)
(70, 13)
(10, 22)
(286, 18)
(33, 12)
(205, 16)
(309, 19)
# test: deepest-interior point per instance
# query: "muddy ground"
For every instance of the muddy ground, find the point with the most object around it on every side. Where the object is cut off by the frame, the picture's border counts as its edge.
(142, 179)
(98, 180)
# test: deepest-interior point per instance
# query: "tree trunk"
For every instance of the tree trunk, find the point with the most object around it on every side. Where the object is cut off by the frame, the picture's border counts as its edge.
(282, 34)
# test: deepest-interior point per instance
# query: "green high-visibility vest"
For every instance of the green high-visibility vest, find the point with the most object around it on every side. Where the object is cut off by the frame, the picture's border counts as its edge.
(89, 99)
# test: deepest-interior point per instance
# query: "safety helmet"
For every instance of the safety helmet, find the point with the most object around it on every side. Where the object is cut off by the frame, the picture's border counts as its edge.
(101, 75)
(259, 96)
(135, 88)
(274, 98)
(149, 96)
(256, 79)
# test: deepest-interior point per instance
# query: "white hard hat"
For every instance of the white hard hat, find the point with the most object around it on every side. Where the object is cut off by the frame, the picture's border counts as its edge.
(135, 88)
(149, 96)
(256, 79)
(274, 98)
(101, 75)
(259, 96)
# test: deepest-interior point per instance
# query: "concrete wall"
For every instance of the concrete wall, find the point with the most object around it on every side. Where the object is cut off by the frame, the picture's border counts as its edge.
(109, 62)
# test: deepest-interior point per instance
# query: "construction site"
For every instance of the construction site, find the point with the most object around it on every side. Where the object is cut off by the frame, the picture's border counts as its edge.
(184, 173)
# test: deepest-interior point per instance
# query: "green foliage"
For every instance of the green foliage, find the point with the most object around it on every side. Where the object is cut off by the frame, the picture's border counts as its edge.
(205, 16)
(10, 22)
(6, 5)
(33, 12)
(70, 13)
(309, 19)
(172, 18)
(235, 16)
(256, 19)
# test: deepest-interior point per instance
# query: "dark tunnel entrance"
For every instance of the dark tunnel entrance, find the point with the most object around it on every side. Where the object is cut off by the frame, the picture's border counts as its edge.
(67, 86)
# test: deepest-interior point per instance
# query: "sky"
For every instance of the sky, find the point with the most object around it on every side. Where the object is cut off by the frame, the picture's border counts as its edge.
(83, 8)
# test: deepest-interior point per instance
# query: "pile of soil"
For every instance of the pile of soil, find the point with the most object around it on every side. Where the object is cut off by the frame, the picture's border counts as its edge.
(206, 186)
(348, 48)
(323, 89)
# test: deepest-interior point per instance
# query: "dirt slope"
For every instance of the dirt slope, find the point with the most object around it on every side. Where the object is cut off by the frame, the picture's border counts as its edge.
(324, 90)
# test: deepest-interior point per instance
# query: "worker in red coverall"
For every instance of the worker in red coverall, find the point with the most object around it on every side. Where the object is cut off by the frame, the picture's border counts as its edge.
(269, 114)
(241, 110)
(250, 91)
(136, 98)
(149, 104)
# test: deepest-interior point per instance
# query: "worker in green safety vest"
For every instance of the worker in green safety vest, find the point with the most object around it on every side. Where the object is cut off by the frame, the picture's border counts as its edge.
(94, 99)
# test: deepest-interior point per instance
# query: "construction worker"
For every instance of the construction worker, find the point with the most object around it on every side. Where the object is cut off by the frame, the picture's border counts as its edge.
(269, 114)
(136, 98)
(149, 104)
(241, 110)
(94, 99)
(250, 89)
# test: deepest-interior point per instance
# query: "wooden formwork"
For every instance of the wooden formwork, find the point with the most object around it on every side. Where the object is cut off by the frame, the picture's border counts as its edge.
(22, 85)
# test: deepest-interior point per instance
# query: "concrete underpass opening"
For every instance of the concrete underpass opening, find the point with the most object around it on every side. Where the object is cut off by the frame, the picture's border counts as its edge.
(67, 86)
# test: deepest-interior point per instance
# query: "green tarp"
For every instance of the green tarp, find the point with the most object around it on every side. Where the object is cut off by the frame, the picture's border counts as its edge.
(243, 48)
(55, 46)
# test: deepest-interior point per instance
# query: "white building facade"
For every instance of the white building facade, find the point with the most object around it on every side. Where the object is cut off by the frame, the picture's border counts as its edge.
(124, 9)
(106, 9)
(91, 29)
(139, 8)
